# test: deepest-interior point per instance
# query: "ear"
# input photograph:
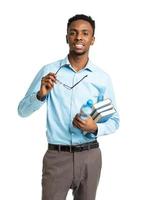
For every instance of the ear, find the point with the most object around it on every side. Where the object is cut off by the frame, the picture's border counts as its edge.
(67, 39)
(93, 40)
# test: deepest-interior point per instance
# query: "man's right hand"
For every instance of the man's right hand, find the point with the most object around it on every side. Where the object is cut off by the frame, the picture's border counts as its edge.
(47, 83)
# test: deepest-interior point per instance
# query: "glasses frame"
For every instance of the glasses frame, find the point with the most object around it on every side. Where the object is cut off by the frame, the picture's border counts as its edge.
(67, 86)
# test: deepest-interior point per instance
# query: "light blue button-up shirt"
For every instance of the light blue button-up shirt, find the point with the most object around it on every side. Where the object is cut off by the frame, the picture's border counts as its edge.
(64, 104)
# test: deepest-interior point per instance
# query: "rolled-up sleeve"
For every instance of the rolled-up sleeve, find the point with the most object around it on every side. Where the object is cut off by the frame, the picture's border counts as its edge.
(112, 124)
(30, 103)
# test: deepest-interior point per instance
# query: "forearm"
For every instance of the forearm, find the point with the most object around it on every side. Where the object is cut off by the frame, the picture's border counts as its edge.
(109, 126)
(29, 104)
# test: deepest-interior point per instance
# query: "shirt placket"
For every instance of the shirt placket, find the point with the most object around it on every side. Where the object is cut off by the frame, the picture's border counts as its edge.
(72, 129)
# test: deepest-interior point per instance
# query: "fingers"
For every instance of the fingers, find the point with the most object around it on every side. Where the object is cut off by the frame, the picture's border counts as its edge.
(85, 125)
(77, 122)
(48, 80)
(50, 76)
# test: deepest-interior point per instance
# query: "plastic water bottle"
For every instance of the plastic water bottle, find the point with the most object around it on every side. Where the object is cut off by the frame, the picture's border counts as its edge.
(86, 109)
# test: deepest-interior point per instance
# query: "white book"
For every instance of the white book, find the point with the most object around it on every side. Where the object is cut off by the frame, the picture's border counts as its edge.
(101, 104)
(104, 116)
(102, 109)
(105, 110)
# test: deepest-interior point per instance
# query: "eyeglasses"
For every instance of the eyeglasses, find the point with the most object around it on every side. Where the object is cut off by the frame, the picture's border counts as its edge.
(67, 86)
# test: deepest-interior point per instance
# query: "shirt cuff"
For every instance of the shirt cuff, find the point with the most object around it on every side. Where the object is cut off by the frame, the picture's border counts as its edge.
(40, 98)
(34, 100)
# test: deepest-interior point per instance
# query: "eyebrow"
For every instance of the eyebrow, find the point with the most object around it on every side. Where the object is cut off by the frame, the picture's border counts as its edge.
(73, 29)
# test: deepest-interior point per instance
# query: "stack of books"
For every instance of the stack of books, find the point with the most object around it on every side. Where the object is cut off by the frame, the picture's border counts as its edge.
(102, 110)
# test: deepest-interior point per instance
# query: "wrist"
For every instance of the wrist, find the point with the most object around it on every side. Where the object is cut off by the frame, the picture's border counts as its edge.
(95, 130)
(40, 97)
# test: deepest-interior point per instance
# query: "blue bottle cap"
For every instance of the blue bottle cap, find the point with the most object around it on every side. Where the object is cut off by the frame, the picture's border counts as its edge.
(90, 103)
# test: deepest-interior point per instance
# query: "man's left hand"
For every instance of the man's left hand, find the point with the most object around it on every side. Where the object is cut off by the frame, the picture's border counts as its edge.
(85, 125)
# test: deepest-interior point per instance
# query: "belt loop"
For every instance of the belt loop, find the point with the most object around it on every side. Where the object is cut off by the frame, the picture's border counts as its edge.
(88, 146)
(59, 147)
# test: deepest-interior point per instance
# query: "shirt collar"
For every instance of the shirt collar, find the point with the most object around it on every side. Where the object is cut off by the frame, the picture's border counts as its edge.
(89, 66)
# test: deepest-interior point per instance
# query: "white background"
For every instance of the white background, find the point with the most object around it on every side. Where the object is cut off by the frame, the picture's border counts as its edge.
(32, 34)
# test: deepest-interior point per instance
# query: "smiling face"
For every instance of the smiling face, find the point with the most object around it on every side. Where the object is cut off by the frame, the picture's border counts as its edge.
(80, 37)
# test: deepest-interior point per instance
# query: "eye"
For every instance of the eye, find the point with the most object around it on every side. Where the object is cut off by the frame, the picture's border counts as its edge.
(85, 33)
(72, 33)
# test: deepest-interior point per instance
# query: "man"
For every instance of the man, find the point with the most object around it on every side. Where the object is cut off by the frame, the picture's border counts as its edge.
(73, 159)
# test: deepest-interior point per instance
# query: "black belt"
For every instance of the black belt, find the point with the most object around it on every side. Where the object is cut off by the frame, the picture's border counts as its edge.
(74, 148)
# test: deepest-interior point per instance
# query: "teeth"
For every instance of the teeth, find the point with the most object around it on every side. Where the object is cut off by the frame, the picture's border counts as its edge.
(79, 45)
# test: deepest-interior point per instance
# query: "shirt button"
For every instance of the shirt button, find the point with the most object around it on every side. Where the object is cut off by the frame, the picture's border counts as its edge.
(72, 133)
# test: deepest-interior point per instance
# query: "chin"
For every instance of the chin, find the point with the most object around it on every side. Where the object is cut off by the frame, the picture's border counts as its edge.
(78, 53)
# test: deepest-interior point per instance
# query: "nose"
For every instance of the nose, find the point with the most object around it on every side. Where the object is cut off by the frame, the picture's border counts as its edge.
(78, 36)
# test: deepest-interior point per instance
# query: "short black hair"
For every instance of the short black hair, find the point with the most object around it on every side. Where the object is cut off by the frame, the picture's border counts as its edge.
(83, 17)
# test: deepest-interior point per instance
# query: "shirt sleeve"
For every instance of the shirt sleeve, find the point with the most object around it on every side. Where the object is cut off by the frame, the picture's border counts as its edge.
(30, 103)
(112, 124)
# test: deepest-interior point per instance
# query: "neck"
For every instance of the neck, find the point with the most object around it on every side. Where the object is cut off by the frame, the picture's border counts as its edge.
(78, 61)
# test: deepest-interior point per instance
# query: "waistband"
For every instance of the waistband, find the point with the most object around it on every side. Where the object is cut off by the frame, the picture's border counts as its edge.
(74, 148)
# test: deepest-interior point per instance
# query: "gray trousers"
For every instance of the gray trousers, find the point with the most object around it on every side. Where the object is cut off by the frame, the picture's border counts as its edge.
(79, 171)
